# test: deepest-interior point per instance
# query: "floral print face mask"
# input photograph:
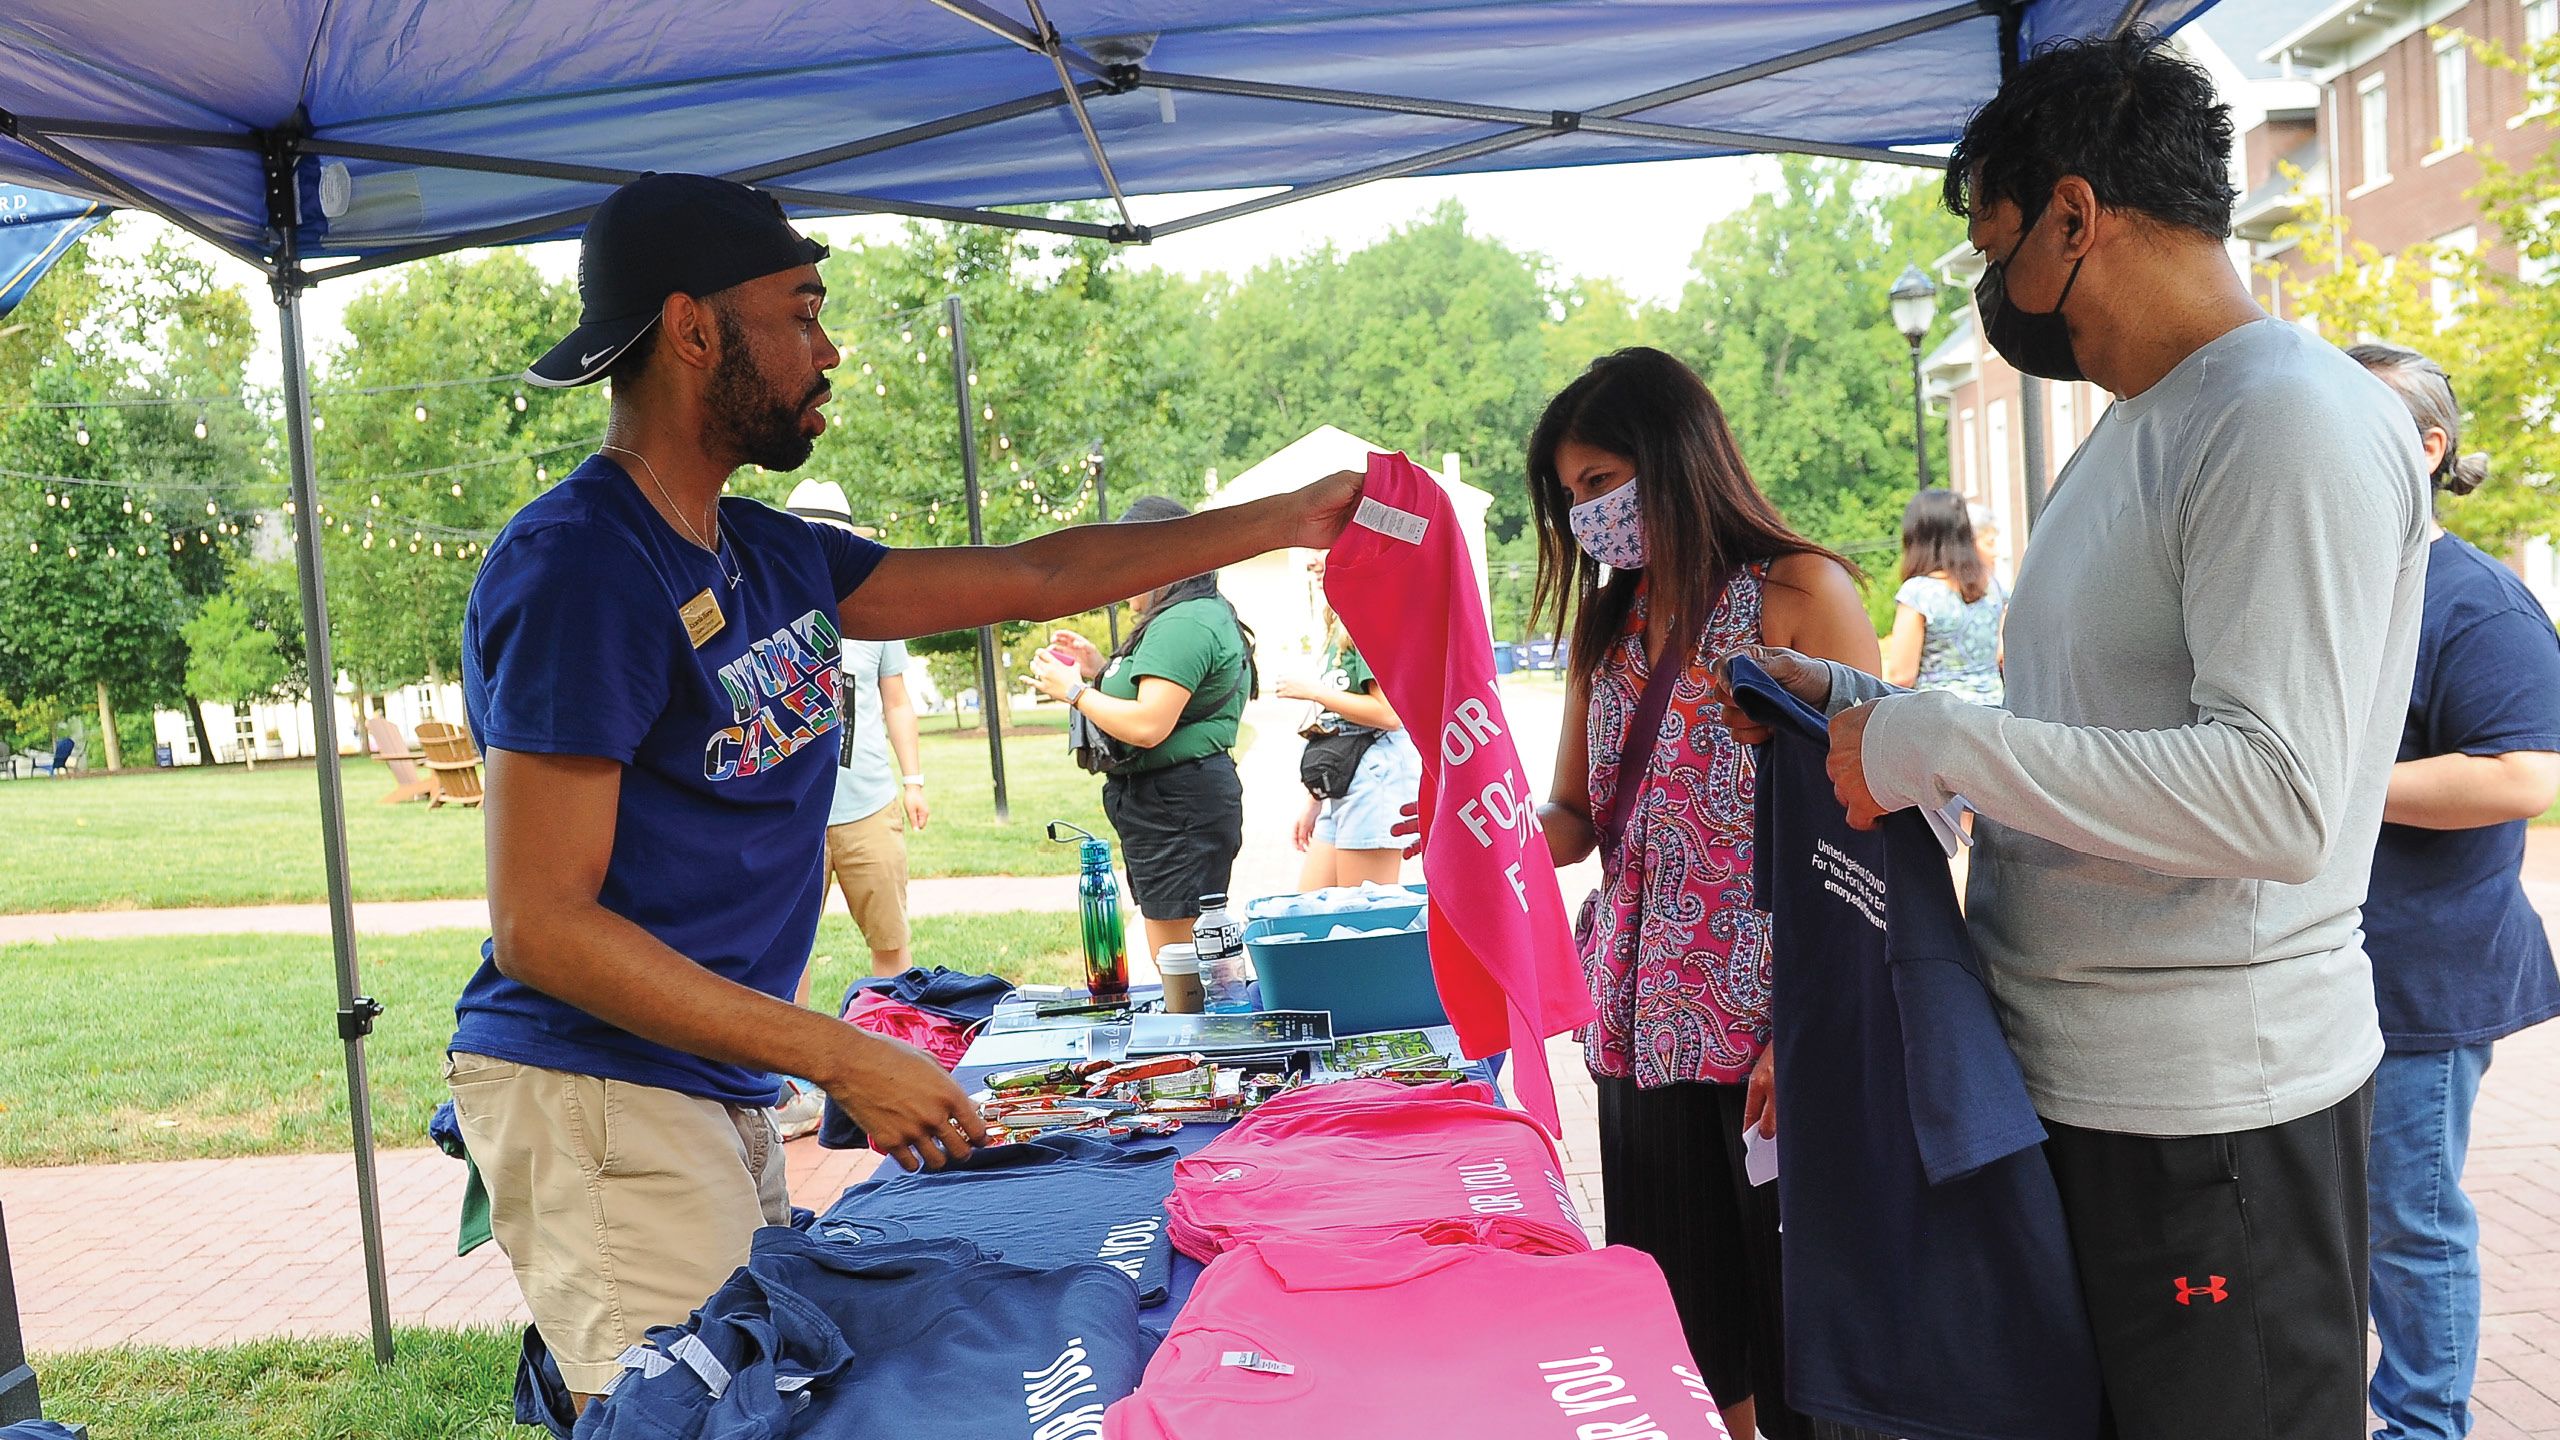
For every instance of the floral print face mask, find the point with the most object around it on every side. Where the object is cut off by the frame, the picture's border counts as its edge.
(1610, 528)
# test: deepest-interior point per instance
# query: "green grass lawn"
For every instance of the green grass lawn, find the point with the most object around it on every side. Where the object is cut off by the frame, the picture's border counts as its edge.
(202, 1046)
(149, 839)
(445, 1385)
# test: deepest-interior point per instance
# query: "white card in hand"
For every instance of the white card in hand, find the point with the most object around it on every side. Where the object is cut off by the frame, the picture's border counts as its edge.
(1759, 1156)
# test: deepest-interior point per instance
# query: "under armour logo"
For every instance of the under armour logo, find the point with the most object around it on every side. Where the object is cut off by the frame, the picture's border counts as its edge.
(1232, 1172)
(2211, 1290)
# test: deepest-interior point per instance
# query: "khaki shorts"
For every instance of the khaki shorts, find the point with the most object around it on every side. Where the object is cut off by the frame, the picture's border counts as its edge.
(620, 1206)
(868, 857)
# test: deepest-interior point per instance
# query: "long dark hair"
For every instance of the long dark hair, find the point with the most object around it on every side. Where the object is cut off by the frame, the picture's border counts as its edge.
(1702, 513)
(1937, 535)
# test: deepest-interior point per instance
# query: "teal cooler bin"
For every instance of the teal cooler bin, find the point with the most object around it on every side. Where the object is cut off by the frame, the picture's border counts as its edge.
(1373, 982)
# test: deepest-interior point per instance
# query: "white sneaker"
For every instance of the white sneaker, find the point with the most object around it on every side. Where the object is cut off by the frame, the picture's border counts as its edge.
(803, 1107)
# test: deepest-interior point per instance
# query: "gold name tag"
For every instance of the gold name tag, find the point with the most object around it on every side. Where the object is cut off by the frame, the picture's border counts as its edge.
(702, 617)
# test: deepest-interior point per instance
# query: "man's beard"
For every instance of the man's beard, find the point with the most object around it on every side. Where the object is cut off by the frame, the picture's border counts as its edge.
(747, 422)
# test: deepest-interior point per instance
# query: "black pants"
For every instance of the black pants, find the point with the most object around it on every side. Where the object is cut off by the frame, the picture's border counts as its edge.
(1180, 829)
(2225, 1274)
(1672, 1185)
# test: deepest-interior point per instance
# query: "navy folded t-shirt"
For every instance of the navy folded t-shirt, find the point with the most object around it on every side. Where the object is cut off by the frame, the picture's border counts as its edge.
(2460, 956)
(822, 1340)
(1049, 1200)
(1930, 1286)
(574, 643)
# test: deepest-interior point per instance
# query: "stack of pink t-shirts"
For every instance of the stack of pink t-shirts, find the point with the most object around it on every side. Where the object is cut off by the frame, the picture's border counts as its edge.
(1370, 1159)
(944, 1039)
(1405, 1337)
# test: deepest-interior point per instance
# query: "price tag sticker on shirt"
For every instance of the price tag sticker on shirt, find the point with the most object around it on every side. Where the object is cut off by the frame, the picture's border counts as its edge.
(1257, 1361)
(1389, 521)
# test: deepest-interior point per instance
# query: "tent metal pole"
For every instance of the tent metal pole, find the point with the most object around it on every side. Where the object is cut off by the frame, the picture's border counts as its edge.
(356, 1011)
(514, 231)
(62, 128)
(1797, 60)
(108, 181)
(1555, 120)
(1055, 49)
(1006, 26)
(1446, 155)
(991, 698)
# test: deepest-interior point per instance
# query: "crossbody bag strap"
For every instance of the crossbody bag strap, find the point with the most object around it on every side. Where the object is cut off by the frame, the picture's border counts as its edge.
(1644, 728)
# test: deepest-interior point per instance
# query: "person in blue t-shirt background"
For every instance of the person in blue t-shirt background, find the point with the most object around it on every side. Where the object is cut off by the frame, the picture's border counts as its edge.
(2460, 958)
(653, 673)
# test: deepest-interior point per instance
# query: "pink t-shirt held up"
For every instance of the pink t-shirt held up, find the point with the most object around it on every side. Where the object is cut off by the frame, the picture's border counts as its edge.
(1501, 950)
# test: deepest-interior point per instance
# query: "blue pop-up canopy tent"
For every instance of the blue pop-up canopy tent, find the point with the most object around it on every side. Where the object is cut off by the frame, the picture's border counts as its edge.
(313, 139)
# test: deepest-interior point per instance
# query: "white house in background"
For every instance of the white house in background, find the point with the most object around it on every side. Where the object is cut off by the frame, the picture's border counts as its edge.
(1273, 592)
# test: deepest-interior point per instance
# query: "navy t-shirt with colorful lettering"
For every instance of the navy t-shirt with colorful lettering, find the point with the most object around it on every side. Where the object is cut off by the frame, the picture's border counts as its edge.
(575, 642)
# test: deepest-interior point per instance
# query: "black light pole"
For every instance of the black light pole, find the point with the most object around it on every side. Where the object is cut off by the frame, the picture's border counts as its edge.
(1915, 305)
(1102, 513)
(991, 700)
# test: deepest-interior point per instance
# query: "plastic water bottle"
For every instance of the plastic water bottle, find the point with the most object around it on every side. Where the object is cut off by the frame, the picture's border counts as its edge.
(1106, 946)
(1220, 943)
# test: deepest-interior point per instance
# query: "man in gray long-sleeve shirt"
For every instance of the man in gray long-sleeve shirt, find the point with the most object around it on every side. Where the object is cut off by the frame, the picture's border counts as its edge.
(2209, 656)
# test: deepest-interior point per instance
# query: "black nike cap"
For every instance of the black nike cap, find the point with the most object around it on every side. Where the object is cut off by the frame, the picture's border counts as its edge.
(664, 235)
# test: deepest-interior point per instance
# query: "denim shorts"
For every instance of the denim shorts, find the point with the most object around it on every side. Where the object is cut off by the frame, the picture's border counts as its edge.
(1389, 778)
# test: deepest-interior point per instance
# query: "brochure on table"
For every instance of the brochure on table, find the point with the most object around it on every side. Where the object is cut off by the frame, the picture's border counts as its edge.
(1031, 1046)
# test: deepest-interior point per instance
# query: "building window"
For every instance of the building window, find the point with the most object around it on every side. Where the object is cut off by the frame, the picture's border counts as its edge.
(2065, 423)
(2449, 287)
(2541, 24)
(1968, 479)
(2373, 117)
(2453, 94)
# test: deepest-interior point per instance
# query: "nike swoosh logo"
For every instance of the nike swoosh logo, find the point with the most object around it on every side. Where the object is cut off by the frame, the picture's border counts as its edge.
(586, 360)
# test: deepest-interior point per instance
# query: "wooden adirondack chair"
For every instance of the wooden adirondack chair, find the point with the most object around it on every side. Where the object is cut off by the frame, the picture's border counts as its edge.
(392, 749)
(452, 763)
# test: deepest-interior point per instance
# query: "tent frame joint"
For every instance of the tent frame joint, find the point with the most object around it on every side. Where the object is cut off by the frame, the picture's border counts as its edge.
(279, 160)
(356, 1020)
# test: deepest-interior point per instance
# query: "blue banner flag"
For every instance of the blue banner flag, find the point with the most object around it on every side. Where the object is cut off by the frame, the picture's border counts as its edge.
(37, 227)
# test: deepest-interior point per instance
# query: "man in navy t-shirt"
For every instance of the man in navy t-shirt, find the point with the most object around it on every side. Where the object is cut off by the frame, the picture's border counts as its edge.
(653, 674)
(2460, 958)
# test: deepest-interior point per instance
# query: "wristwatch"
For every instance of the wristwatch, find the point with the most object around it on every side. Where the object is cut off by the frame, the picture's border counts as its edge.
(915, 780)
(1076, 694)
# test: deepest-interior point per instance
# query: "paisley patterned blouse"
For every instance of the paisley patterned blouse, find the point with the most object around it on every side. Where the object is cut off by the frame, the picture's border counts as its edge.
(1677, 960)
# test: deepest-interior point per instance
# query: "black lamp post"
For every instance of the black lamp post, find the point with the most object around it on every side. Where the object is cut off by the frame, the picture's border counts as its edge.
(1915, 304)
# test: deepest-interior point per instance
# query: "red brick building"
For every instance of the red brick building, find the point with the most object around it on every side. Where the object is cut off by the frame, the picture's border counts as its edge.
(2384, 123)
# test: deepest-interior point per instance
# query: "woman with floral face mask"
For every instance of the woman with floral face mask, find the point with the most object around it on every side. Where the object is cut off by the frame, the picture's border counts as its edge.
(1658, 554)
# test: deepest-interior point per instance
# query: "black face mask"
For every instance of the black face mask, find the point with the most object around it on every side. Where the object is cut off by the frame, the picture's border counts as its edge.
(2033, 342)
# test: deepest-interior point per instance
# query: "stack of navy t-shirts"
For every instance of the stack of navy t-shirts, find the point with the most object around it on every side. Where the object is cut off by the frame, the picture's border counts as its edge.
(1049, 1200)
(39, 1430)
(1930, 1290)
(951, 994)
(822, 1340)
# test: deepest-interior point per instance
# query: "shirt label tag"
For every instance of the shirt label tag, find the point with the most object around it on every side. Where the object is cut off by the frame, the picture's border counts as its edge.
(1257, 1361)
(702, 617)
(1387, 520)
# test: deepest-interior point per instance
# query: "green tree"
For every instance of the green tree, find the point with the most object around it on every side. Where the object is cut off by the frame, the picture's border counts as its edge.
(1429, 341)
(1787, 321)
(115, 514)
(228, 657)
(426, 446)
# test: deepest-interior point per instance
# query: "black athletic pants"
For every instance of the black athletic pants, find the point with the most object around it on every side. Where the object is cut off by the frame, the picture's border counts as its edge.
(2225, 1274)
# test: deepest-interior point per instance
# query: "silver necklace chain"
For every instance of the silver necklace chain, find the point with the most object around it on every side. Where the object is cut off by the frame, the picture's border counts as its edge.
(729, 567)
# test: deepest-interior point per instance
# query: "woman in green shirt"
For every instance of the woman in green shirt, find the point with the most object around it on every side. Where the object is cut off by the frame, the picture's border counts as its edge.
(1175, 692)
